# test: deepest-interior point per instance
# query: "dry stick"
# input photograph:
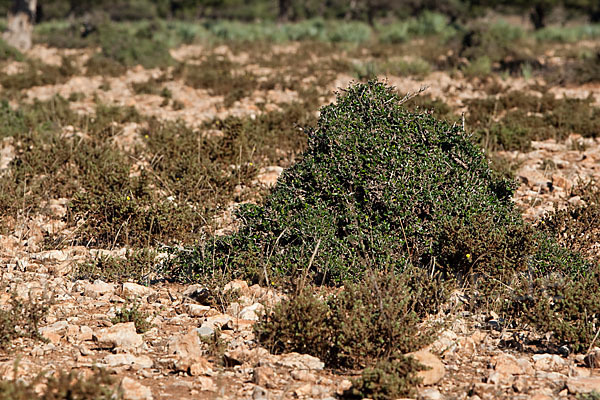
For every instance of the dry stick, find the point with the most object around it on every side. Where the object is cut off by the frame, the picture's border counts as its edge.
(269, 258)
(304, 275)
(593, 341)
(410, 96)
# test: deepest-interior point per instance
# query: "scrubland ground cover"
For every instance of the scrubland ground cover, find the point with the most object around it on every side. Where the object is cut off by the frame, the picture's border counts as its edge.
(152, 152)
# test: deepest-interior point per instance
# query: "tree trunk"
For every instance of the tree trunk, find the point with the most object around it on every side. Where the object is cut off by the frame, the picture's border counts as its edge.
(284, 10)
(20, 24)
(538, 16)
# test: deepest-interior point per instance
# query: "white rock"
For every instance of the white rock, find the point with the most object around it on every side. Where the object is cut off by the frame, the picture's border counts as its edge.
(119, 335)
(196, 310)
(300, 361)
(130, 289)
(187, 348)
(133, 390)
(251, 312)
(114, 360)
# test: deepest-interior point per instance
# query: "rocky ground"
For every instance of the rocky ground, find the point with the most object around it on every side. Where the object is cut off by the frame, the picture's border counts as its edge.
(179, 357)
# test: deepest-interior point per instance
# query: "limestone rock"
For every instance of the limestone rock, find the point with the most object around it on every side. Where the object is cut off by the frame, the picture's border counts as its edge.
(436, 369)
(115, 360)
(133, 390)
(130, 289)
(121, 335)
(187, 349)
(582, 385)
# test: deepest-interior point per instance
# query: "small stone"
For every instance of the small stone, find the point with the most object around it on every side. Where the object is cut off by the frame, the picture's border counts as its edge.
(115, 360)
(201, 367)
(260, 393)
(187, 348)
(85, 333)
(206, 384)
(431, 394)
(303, 375)
(236, 284)
(300, 361)
(205, 330)
(436, 369)
(130, 289)
(196, 310)
(264, 376)
(251, 312)
(198, 293)
(121, 335)
(548, 362)
(133, 390)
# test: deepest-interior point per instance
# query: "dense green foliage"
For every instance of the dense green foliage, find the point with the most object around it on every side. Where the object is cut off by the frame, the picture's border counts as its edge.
(377, 187)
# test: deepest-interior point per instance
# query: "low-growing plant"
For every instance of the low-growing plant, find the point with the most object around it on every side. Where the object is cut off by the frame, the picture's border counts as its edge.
(137, 265)
(220, 76)
(358, 325)
(37, 73)
(387, 379)
(566, 306)
(62, 385)
(131, 312)
(21, 318)
(9, 53)
(132, 48)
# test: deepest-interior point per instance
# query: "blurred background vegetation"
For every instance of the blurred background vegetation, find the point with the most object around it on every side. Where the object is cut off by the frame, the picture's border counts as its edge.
(540, 12)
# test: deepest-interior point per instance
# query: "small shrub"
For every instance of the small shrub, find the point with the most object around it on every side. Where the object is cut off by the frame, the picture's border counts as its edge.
(400, 67)
(137, 265)
(387, 379)
(7, 52)
(478, 68)
(128, 49)
(566, 306)
(577, 227)
(358, 325)
(220, 78)
(130, 312)
(38, 73)
(21, 319)
(62, 385)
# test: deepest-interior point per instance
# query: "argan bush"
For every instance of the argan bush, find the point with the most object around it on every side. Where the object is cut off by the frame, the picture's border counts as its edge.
(360, 324)
(377, 186)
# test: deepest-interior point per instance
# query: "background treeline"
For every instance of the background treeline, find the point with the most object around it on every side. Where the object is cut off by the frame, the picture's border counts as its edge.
(539, 11)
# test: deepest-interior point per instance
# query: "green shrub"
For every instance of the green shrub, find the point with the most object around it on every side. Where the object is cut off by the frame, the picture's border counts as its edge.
(37, 73)
(62, 385)
(130, 312)
(132, 48)
(21, 319)
(387, 379)
(362, 323)
(8, 52)
(566, 306)
(377, 186)
(137, 265)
